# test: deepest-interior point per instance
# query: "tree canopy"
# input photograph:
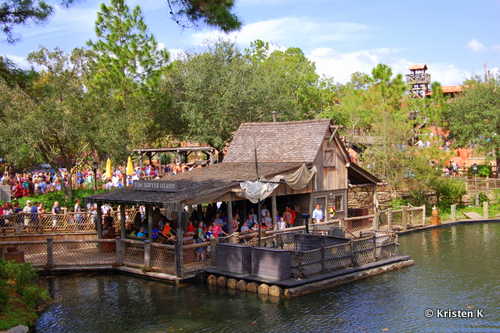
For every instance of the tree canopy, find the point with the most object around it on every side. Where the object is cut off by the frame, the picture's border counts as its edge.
(473, 118)
(216, 13)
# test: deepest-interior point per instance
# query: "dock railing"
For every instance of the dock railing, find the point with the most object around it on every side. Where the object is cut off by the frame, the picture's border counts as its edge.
(27, 223)
(355, 252)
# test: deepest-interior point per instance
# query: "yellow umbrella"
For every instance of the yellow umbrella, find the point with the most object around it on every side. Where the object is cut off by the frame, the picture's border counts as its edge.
(130, 167)
(109, 171)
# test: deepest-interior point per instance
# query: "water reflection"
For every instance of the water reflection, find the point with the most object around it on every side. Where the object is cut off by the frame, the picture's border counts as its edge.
(456, 267)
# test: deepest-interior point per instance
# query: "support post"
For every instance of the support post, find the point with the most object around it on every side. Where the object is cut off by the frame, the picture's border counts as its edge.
(147, 255)
(453, 212)
(120, 251)
(258, 224)
(322, 255)
(389, 219)
(485, 210)
(423, 215)
(123, 232)
(98, 221)
(179, 255)
(404, 217)
(50, 253)
(274, 209)
(149, 216)
(230, 216)
(376, 219)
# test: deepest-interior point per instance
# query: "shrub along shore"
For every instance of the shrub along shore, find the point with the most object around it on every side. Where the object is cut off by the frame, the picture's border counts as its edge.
(21, 298)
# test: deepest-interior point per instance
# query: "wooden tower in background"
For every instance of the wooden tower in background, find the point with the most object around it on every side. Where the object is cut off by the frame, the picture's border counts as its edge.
(419, 81)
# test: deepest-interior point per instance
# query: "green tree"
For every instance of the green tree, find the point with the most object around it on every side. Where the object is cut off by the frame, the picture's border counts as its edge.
(53, 122)
(473, 118)
(124, 70)
(217, 90)
(215, 13)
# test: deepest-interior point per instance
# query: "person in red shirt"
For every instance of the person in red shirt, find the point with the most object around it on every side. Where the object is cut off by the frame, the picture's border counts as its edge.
(190, 227)
(293, 217)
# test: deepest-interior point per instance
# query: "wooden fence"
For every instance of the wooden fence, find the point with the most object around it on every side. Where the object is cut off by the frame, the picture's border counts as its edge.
(309, 255)
(355, 252)
(403, 218)
(477, 184)
(26, 223)
(145, 256)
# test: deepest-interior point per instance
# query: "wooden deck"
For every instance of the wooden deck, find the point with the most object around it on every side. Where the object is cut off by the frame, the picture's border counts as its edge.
(291, 283)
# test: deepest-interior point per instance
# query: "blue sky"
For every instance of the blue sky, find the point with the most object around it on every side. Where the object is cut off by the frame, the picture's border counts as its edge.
(455, 38)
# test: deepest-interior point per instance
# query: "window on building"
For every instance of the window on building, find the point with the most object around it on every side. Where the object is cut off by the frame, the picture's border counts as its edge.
(329, 159)
(339, 203)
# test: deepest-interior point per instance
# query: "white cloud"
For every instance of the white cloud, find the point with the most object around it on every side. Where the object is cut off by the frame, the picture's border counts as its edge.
(340, 65)
(19, 61)
(288, 31)
(64, 22)
(176, 54)
(476, 45)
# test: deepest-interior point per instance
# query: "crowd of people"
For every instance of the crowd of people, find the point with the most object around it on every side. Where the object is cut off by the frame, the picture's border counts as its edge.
(203, 224)
(50, 180)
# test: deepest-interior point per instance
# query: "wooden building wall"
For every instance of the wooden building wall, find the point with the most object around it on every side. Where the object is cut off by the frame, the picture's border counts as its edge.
(332, 169)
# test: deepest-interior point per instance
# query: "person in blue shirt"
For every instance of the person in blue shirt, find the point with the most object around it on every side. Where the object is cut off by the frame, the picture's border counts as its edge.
(317, 214)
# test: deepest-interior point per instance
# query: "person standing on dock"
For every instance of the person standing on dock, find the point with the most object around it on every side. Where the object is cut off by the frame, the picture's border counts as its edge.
(317, 214)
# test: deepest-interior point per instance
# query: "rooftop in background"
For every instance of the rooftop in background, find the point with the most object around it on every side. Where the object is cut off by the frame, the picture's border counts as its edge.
(418, 67)
(449, 90)
(452, 89)
(291, 141)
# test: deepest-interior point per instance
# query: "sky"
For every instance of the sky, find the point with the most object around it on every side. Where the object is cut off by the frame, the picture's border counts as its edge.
(456, 39)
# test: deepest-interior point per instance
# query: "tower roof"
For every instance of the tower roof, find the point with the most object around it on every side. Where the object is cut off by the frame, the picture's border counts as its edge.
(418, 67)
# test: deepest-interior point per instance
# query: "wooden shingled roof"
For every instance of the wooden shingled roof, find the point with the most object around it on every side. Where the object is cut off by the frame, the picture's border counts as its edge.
(197, 185)
(294, 141)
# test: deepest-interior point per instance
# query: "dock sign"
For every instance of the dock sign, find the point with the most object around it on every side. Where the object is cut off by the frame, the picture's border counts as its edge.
(154, 186)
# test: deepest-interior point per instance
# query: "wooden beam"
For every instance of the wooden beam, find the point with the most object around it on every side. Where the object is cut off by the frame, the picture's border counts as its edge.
(123, 231)
(274, 209)
(179, 255)
(230, 216)
(149, 217)
(99, 221)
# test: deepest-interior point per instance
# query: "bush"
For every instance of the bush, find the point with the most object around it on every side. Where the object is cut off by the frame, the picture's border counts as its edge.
(398, 202)
(48, 199)
(4, 294)
(22, 273)
(448, 190)
(20, 296)
(33, 296)
(483, 197)
(482, 171)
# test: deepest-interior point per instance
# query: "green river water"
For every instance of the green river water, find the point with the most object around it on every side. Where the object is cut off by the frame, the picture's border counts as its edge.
(456, 268)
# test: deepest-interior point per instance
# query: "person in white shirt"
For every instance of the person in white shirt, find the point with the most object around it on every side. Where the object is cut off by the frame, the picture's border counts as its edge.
(318, 214)
(281, 224)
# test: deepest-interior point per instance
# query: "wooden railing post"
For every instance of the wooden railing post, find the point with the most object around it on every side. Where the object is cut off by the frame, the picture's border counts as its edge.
(123, 231)
(120, 251)
(453, 212)
(99, 221)
(485, 210)
(50, 253)
(376, 219)
(147, 255)
(179, 251)
(323, 255)
(389, 219)
(404, 217)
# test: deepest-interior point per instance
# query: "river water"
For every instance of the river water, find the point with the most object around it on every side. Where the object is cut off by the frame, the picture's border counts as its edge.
(456, 268)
